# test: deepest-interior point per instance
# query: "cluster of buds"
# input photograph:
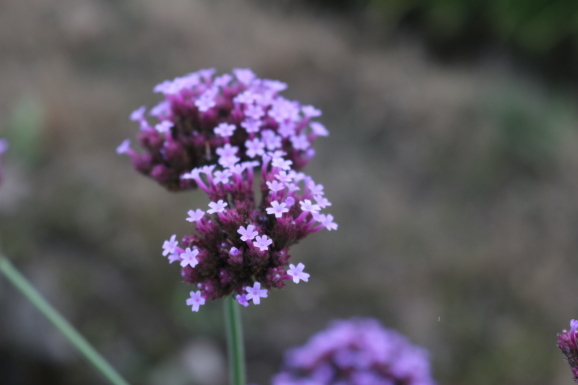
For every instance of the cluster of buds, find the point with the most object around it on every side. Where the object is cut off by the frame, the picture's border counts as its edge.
(568, 344)
(356, 352)
(3, 148)
(201, 115)
(240, 245)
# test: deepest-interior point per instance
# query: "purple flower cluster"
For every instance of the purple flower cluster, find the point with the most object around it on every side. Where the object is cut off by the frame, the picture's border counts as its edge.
(3, 147)
(568, 344)
(356, 352)
(203, 116)
(235, 138)
(240, 244)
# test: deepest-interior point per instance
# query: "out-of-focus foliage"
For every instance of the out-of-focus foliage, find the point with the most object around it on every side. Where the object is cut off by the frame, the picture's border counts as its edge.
(536, 26)
(25, 130)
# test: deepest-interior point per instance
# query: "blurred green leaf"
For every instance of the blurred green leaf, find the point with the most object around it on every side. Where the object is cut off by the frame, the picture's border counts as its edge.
(25, 131)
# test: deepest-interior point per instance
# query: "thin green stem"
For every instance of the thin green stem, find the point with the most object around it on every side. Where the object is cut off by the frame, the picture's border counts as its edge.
(59, 322)
(235, 346)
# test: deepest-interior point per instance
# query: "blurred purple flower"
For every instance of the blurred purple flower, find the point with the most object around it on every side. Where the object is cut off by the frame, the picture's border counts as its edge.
(568, 344)
(242, 242)
(356, 352)
(202, 115)
(3, 147)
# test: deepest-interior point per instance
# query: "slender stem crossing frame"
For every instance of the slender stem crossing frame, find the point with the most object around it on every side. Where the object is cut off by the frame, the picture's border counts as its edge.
(89, 352)
(235, 348)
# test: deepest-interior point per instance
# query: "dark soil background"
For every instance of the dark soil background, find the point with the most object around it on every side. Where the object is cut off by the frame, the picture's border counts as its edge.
(454, 183)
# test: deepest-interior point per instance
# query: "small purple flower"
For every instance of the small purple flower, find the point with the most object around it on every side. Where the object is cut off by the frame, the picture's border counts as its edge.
(164, 127)
(275, 185)
(286, 129)
(311, 111)
(262, 242)
(225, 129)
(227, 151)
(189, 257)
(138, 114)
(297, 273)
(3, 147)
(222, 176)
(254, 147)
(247, 234)
(322, 201)
(277, 208)
(124, 147)
(306, 205)
(202, 114)
(170, 245)
(251, 125)
(242, 299)
(568, 344)
(285, 177)
(357, 351)
(315, 189)
(300, 142)
(195, 300)
(254, 112)
(255, 293)
(195, 216)
(205, 102)
(281, 163)
(217, 207)
(326, 221)
(319, 129)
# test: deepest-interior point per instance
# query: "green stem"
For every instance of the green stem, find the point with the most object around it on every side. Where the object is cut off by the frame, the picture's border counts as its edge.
(235, 342)
(59, 322)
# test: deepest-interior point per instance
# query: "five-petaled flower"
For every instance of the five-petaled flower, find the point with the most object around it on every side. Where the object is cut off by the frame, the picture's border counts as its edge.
(195, 215)
(306, 205)
(195, 300)
(189, 257)
(297, 273)
(169, 246)
(262, 242)
(255, 293)
(247, 234)
(277, 208)
(217, 207)
(225, 129)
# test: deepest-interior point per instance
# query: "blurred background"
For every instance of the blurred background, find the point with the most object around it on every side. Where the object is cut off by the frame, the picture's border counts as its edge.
(451, 165)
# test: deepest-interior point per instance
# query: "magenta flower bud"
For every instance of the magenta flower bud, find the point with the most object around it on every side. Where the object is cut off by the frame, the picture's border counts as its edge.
(359, 352)
(202, 114)
(568, 344)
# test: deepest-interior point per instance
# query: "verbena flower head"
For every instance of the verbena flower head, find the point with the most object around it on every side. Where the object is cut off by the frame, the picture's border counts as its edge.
(356, 352)
(568, 344)
(207, 120)
(240, 243)
(3, 147)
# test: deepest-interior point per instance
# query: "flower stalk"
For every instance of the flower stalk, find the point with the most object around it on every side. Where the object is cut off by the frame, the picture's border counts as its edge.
(235, 347)
(83, 346)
